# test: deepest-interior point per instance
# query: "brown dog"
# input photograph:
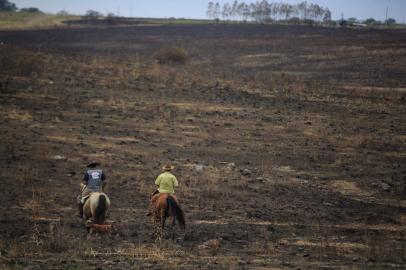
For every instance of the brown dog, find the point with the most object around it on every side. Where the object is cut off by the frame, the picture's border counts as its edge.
(102, 229)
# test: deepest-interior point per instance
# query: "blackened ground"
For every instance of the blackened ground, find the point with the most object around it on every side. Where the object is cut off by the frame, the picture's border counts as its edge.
(289, 144)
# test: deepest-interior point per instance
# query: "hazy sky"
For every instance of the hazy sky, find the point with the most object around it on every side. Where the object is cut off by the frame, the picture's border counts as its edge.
(360, 9)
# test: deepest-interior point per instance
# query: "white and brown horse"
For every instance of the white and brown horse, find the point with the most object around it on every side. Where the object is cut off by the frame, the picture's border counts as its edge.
(95, 208)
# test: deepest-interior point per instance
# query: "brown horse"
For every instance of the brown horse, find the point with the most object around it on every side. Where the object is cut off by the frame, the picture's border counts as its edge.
(163, 207)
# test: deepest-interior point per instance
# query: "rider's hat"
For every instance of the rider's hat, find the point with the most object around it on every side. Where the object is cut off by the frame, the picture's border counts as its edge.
(168, 167)
(93, 164)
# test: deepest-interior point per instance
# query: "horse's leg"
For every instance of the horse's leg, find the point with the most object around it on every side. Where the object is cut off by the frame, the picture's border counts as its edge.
(163, 219)
(156, 225)
(158, 219)
(173, 227)
(173, 231)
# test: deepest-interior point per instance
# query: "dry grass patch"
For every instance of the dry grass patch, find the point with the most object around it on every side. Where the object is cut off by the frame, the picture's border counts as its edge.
(340, 245)
(171, 55)
(206, 107)
(17, 116)
(25, 20)
(395, 154)
(349, 188)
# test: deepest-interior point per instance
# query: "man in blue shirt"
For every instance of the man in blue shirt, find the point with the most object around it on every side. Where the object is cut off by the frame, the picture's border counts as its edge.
(93, 181)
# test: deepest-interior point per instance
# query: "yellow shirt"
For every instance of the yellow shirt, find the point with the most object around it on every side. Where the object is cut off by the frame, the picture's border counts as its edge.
(166, 182)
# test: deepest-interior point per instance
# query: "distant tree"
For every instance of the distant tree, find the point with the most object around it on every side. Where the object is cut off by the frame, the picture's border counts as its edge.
(275, 10)
(31, 10)
(210, 10)
(5, 5)
(234, 9)
(343, 23)
(246, 12)
(286, 10)
(93, 14)
(264, 10)
(63, 13)
(294, 11)
(303, 9)
(390, 21)
(327, 16)
(226, 12)
(314, 12)
(254, 11)
(319, 11)
(352, 20)
(111, 17)
(240, 10)
(370, 21)
(217, 11)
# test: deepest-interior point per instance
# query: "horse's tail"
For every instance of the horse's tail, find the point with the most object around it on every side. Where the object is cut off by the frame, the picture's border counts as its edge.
(100, 214)
(176, 211)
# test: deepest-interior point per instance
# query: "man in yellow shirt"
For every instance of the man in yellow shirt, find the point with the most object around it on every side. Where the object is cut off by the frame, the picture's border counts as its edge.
(166, 183)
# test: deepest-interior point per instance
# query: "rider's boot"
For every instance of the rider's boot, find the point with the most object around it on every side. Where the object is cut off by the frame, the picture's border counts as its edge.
(80, 208)
(149, 212)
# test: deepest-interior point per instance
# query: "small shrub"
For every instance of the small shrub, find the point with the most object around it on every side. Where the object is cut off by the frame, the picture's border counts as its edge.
(171, 56)
(294, 20)
(309, 22)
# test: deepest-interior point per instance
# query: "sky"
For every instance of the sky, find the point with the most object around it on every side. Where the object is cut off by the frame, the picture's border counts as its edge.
(360, 9)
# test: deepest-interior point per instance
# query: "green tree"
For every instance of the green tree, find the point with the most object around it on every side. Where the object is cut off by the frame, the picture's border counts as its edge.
(31, 10)
(63, 13)
(246, 12)
(226, 13)
(5, 5)
(390, 21)
(210, 10)
(303, 8)
(352, 20)
(217, 11)
(93, 14)
(234, 9)
(327, 15)
(372, 21)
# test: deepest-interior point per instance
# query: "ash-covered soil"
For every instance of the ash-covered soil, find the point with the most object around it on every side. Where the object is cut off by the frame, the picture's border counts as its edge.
(289, 145)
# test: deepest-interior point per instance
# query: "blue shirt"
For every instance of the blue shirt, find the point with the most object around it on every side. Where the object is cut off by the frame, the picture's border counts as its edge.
(94, 179)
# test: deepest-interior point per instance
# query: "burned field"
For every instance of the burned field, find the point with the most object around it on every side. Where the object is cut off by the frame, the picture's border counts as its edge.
(289, 145)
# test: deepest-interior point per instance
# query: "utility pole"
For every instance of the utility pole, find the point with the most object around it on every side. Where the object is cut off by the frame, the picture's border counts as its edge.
(386, 16)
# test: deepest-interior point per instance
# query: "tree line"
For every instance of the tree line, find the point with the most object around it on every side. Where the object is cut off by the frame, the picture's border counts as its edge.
(7, 6)
(263, 11)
